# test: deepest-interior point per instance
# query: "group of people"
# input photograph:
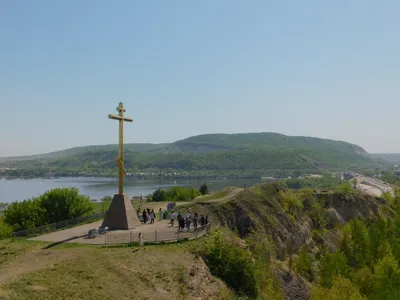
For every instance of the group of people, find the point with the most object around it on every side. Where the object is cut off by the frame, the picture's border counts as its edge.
(150, 215)
(188, 220)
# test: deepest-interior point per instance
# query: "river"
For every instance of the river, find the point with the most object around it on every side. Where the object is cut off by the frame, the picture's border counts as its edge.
(96, 188)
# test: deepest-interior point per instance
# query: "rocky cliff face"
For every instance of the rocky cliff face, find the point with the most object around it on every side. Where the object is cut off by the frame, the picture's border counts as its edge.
(261, 209)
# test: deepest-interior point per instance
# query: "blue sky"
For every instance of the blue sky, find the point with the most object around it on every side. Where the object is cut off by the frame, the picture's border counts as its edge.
(318, 68)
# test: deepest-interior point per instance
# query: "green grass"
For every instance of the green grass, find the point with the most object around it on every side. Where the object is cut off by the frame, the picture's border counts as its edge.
(158, 272)
(217, 195)
(12, 248)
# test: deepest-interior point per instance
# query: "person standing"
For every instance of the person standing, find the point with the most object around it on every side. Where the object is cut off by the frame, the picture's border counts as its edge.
(172, 218)
(160, 215)
(195, 219)
(141, 241)
(188, 224)
(152, 217)
(181, 222)
(144, 216)
(202, 221)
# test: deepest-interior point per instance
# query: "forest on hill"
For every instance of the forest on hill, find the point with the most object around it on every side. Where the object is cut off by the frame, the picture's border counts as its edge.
(247, 155)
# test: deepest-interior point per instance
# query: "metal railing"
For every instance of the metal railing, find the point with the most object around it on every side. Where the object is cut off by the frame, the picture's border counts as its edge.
(155, 236)
(58, 225)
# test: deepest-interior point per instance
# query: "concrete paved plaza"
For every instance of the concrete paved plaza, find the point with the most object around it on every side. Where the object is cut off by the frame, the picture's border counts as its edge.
(76, 234)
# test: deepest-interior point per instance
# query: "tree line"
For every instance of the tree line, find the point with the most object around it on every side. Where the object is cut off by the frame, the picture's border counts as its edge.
(177, 193)
(55, 205)
(365, 264)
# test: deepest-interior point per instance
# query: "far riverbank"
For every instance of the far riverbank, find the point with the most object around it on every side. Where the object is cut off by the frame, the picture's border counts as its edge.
(98, 187)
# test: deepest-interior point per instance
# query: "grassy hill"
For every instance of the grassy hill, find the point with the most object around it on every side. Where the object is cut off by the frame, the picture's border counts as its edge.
(217, 154)
(269, 243)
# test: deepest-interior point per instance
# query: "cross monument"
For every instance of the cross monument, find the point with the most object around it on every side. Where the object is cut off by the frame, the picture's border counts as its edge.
(121, 214)
(120, 160)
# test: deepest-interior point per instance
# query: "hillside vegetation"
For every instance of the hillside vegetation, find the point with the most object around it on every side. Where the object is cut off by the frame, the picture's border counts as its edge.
(268, 242)
(251, 154)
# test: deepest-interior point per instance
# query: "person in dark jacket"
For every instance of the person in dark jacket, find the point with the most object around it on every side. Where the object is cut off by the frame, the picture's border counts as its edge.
(144, 215)
(202, 220)
(181, 221)
(195, 219)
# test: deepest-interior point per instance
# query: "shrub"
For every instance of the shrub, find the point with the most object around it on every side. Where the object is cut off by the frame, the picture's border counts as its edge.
(342, 289)
(303, 263)
(232, 264)
(204, 189)
(175, 193)
(5, 230)
(53, 206)
(290, 202)
(332, 265)
(65, 203)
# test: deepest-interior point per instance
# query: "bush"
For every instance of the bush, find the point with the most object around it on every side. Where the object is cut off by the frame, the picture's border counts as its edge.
(332, 265)
(64, 204)
(318, 215)
(25, 215)
(342, 289)
(175, 194)
(53, 206)
(204, 189)
(105, 203)
(5, 230)
(232, 264)
(303, 263)
(290, 202)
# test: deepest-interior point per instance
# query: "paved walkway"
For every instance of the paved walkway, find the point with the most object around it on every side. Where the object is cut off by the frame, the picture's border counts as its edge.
(76, 234)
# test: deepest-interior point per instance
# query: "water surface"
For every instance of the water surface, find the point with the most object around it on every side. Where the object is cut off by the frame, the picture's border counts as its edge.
(96, 188)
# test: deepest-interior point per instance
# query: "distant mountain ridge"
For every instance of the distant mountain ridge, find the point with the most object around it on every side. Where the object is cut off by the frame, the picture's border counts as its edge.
(227, 152)
(211, 143)
(391, 158)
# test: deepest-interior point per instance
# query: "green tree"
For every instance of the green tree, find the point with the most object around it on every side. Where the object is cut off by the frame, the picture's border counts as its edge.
(364, 279)
(65, 203)
(331, 266)
(387, 279)
(303, 263)
(318, 214)
(159, 195)
(291, 202)
(53, 206)
(204, 189)
(25, 214)
(342, 289)
(232, 264)
(5, 230)
(105, 203)
(355, 243)
(345, 187)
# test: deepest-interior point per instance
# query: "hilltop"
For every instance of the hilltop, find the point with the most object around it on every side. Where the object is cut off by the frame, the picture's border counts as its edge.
(268, 243)
(247, 154)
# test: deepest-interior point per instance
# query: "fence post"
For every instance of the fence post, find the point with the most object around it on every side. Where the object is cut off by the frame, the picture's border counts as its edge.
(155, 236)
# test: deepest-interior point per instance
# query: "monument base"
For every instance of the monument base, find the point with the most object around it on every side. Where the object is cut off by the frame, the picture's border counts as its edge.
(121, 214)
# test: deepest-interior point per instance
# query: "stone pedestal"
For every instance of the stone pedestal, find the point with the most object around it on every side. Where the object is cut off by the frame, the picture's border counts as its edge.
(121, 214)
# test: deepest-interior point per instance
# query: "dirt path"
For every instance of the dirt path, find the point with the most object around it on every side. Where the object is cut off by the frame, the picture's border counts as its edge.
(230, 195)
(36, 260)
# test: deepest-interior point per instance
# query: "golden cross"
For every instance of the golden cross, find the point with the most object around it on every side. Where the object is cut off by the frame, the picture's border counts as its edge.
(120, 161)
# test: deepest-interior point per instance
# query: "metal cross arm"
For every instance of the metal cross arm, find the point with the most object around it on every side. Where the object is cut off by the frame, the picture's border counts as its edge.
(120, 161)
(120, 118)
